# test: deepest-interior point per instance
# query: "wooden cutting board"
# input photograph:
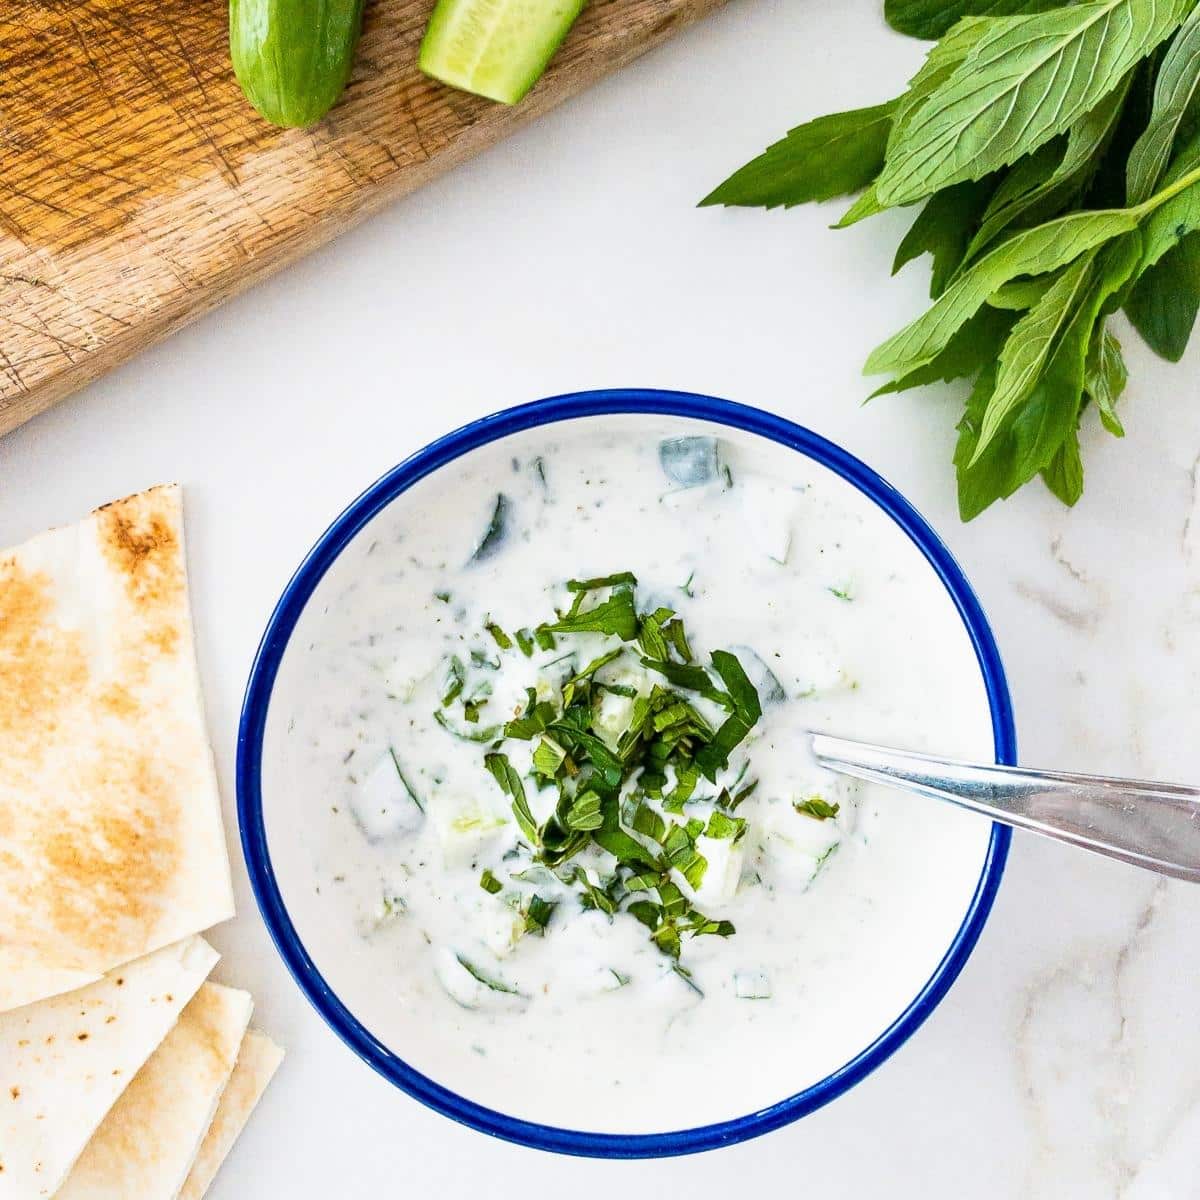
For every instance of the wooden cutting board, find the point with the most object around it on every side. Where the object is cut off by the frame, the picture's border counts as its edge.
(138, 189)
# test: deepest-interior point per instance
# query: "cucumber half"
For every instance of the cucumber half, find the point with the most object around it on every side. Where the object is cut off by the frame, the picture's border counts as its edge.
(495, 48)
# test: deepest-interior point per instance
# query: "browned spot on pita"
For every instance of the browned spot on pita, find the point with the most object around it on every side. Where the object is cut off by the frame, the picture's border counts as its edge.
(42, 666)
(140, 541)
(98, 875)
(117, 699)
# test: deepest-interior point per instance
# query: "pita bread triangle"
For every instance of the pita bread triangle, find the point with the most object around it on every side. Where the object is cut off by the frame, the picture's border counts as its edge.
(111, 841)
(65, 1061)
(257, 1061)
(147, 1143)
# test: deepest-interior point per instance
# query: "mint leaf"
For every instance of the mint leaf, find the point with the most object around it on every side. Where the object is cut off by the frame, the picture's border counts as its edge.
(693, 678)
(1064, 475)
(982, 479)
(1105, 377)
(1027, 79)
(1175, 207)
(1162, 305)
(817, 807)
(616, 616)
(972, 347)
(1041, 182)
(867, 205)
(621, 578)
(1033, 340)
(507, 776)
(1030, 436)
(1175, 92)
(943, 229)
(742, 692)
(941, 61)
(831, 156)
(1031, 252)
(929, 19)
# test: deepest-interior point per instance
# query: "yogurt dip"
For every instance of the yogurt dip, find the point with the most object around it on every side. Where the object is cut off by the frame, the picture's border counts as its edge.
(467, 790)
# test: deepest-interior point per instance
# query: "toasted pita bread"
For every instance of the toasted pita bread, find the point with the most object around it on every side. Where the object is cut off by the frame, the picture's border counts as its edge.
(111, 843)
(146, 1145)
(66, 1060)
(257, 1062)
(21, 982)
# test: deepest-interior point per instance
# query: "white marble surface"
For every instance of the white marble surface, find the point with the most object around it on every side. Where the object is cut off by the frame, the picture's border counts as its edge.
(1066, 1061)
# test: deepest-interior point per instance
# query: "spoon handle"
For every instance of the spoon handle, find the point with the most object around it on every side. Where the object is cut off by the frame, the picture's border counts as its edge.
(1151, 825)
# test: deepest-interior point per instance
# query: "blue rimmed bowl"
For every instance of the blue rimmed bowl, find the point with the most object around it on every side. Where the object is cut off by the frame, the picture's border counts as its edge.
(257, 746)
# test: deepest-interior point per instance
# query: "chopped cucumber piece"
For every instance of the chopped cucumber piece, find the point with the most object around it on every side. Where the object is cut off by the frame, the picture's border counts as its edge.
(795, 846)
(501, 927)
(612, 980)
(690, 461)
(725, 858)
(473, 986)
(384, 805)
(389, 909)
(465, 829)
(819, 668)
(613, 717)
(401, 680)
(494, 534)
(495, 48)
(769, 510)
(752, 985)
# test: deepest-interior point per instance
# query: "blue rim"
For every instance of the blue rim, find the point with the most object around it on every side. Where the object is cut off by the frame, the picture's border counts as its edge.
(266, 666)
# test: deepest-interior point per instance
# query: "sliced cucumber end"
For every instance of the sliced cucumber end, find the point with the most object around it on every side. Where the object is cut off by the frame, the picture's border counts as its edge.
(497, 49)
(463, 82)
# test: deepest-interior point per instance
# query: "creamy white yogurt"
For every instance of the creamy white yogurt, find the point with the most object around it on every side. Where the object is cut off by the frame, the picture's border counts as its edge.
(381, 819)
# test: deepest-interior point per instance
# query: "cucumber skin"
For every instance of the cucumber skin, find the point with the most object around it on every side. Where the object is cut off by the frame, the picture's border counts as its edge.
(440, 28)
(291, 67)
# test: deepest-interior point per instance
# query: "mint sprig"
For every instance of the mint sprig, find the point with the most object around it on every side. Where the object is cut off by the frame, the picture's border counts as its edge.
(1055, 150)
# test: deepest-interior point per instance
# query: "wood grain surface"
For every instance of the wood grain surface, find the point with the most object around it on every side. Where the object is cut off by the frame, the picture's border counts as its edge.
(138, 189)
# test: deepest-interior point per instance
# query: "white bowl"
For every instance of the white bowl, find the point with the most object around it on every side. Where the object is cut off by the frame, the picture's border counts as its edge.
(909, 947)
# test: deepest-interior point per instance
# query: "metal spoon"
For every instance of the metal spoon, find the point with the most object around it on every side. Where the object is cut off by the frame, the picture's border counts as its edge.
(1151, 825)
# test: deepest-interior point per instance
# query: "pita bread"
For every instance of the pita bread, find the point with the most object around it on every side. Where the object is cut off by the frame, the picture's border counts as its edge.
(66, 1060)
(22, 982)
(111, 843)
(257, 1062)
(149, 1140)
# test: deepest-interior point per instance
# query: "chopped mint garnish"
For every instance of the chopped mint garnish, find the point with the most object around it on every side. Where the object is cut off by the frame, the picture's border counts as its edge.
(818, 807)
(616, 616)
(604, 581)
(621, 787)
(537, 914)
(499, 636)
(510, 783)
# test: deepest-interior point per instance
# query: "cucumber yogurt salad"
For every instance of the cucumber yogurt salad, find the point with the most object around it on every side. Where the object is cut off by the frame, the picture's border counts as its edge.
(553, 832)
